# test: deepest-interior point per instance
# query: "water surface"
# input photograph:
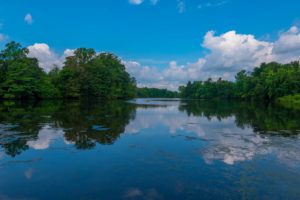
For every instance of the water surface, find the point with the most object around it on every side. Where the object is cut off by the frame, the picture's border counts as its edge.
(148, 149)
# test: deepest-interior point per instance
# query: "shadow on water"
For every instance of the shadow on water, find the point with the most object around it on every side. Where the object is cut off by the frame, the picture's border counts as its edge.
(85, 124)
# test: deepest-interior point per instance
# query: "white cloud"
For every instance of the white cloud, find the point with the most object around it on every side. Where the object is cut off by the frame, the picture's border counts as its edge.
(48, 59)
(177, 72)
(288, 42)
(231, 52)
(143, 74)
(171, 77)
(28, 18)
(68, 52)
(228, 53)
(136, 2)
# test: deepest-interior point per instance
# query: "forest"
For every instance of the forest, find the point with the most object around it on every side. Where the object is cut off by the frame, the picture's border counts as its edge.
(85, 74)
(269, 82)
(156, 93)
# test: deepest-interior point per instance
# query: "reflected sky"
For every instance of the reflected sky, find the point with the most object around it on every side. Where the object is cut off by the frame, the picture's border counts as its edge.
(148, 149)
(226, 141)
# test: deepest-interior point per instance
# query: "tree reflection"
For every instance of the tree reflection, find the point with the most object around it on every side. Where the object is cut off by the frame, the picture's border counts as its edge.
(262, 118)
(21, 122)
(25, 125)
(87, 123)
(84, 123)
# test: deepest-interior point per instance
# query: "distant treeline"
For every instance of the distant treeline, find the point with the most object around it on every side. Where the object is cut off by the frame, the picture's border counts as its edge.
(267, 82)
(85, 74)
(156, 93)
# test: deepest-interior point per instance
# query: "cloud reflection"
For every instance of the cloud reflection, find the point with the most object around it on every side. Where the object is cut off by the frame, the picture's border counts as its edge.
(226, 141)
(46, 135)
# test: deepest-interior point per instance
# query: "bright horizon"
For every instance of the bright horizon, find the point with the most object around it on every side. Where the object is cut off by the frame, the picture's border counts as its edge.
(163, 43)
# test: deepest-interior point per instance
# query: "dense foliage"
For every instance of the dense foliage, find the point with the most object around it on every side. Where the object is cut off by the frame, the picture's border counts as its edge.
(155, 93)
(208, 89)
(267, 82)
(91, 75)
(21, 77)
(290, 101)
(85, 74)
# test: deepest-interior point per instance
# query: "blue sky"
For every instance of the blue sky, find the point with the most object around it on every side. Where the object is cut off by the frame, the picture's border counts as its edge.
(153, 34)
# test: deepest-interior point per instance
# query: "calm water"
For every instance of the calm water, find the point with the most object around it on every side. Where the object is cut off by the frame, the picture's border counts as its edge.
(148, 149)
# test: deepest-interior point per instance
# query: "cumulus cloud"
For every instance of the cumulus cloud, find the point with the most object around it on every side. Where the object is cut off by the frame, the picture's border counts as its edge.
(170, 77)
(289, 41)
(231, 51)
(227, 54)
(47, 58)
(143, 74)
(28, 18)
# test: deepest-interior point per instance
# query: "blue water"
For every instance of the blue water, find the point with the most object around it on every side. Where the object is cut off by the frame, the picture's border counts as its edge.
(148, 149)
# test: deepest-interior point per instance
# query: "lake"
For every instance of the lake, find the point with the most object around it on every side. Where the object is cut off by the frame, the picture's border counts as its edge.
(148, 149)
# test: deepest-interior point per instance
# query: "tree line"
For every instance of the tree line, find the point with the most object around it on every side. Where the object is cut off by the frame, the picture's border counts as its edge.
(268, 82)
(91, 75)
(156, 93)
(85, 74)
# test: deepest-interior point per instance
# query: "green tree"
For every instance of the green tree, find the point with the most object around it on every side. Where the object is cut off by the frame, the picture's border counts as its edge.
(95, 76)
(267, 82)
(21, 77)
